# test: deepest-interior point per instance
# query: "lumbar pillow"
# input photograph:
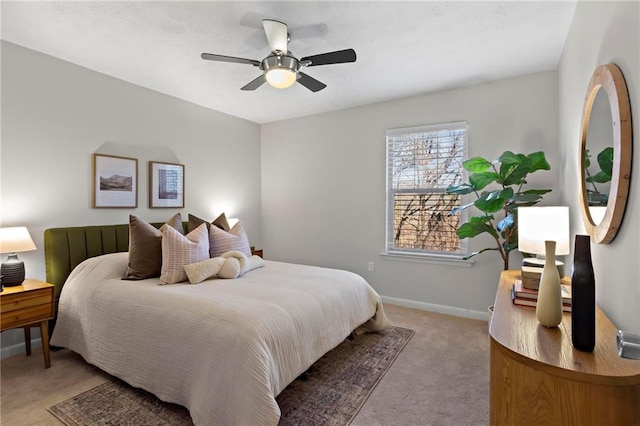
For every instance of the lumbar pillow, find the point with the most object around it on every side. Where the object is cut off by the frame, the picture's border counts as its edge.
(145, 247)
(179, 250)
(222, 241)
(221, 222)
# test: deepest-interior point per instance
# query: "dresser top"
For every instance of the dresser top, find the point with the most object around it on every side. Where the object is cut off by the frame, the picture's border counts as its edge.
(517, 330)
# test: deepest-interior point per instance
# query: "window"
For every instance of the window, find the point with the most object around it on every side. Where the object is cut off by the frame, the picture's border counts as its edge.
(421, 163)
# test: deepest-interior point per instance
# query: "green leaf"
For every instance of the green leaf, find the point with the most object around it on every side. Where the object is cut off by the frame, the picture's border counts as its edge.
(605, 160)
(481, 180)
(459, 209)
(509, 157)
(476, 164)
(525, 198)
(600, 177)
(514, 173)
(511, 246)
(505, 223)
(462, 189)
(490, 202)
(506, 193)
(475, 227)
(536, 191)
(538, 162)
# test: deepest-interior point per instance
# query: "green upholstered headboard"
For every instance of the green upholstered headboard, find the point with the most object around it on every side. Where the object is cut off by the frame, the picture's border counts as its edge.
(66, 248)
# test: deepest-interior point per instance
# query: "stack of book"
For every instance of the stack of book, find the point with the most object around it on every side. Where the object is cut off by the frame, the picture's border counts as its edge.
(523, 296)
(531, 276)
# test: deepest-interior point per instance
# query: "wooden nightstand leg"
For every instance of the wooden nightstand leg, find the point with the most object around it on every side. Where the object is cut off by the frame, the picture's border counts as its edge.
(44, 333)
(27, 339)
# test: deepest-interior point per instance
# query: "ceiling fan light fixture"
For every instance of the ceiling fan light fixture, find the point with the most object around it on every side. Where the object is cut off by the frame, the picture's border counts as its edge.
(280, 71)
(281, 78)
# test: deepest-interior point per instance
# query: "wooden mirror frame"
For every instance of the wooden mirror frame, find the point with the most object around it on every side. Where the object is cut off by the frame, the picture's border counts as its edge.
(608, 77)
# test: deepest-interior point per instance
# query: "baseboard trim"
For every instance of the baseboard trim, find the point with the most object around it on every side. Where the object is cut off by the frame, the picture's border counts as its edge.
(442, 309)
(19, 348)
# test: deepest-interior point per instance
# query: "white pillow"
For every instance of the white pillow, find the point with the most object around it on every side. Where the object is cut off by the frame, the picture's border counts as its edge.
(179, 250)
(222, 241)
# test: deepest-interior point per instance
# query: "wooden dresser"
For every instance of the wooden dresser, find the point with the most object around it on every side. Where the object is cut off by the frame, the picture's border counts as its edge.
(538, 378)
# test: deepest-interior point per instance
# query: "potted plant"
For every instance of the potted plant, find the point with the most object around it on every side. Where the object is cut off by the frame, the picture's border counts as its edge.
(605, 161)
(498, 206)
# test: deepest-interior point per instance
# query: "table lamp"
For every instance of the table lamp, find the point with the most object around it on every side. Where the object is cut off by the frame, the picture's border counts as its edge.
(12, 241)
(535, 226)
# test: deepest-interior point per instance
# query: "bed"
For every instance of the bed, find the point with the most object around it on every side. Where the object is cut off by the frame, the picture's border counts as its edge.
(222, 348)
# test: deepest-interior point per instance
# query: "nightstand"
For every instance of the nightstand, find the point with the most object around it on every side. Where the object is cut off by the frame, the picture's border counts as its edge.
(28, 305)
(255, 252)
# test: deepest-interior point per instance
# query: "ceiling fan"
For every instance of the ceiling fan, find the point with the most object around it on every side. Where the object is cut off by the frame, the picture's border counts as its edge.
(280, 68)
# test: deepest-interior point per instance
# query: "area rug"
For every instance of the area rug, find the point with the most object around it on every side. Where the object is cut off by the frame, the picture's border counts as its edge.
(331, 394)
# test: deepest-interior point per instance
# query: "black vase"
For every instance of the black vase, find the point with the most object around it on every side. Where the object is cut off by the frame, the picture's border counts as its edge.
(583, 296)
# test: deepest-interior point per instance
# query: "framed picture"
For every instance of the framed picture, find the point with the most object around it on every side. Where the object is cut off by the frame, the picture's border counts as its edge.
(115, 182)
(166, 185)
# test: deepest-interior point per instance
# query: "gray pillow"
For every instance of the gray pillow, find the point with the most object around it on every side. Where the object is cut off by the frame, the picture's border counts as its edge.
(220, 222)
(145, 247)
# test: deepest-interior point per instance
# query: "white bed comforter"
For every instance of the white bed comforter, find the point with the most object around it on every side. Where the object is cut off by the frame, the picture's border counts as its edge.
(223, 348)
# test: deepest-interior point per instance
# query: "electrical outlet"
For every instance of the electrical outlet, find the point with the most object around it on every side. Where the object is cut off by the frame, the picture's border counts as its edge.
(370, 266)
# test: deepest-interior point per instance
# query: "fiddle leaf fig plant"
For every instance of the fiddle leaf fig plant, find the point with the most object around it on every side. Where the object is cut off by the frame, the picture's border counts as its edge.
(508, 175)
(603, 176)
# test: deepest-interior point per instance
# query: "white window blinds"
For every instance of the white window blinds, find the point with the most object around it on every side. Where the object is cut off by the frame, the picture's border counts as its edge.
(421, 163)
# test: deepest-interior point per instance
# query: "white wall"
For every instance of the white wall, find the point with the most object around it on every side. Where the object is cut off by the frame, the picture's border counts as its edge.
(56, 114)
(323, 183)
(604, 32)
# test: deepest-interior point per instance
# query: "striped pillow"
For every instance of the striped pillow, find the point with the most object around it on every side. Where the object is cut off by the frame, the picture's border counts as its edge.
(222, 241)
(179, 250)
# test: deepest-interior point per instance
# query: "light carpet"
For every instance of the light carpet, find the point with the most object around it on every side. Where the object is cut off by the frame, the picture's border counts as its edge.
(332, 394)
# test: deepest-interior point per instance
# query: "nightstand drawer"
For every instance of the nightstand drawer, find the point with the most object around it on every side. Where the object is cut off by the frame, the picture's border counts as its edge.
(25, 316)
(12, 302)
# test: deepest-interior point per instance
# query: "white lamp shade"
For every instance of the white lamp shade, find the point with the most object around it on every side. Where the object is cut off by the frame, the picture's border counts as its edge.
(281, 78)
(16, 239)
(539, 224)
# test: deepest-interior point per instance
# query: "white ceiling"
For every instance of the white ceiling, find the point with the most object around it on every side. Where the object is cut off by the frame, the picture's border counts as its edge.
(403, 48)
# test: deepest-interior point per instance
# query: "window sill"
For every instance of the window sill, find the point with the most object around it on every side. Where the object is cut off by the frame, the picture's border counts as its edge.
(433, 259)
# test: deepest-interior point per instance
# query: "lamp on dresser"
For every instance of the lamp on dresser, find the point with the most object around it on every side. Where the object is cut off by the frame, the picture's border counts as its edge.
(535, 226)
(12, 241)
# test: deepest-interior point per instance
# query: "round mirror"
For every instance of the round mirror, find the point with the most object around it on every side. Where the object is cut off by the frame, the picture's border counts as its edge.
(598, 154)
(605, 153)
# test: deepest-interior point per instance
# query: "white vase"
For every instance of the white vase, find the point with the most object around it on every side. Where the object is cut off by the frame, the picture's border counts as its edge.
(549, 306)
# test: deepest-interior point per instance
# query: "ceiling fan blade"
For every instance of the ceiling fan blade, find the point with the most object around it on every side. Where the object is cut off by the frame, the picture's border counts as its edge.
(337, 57)
(254, 84)
(223, 58)
(276, 33)
(310, 82)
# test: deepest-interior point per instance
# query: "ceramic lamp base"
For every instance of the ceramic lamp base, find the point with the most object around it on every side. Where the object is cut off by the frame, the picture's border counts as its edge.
(12, 271)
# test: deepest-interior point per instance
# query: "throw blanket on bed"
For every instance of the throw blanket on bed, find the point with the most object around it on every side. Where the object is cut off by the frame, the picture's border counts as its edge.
(229, 265)
(223, 348)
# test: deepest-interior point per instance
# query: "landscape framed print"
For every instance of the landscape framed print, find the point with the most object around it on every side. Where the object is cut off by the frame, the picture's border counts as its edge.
(166, 185)
(115, 182)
